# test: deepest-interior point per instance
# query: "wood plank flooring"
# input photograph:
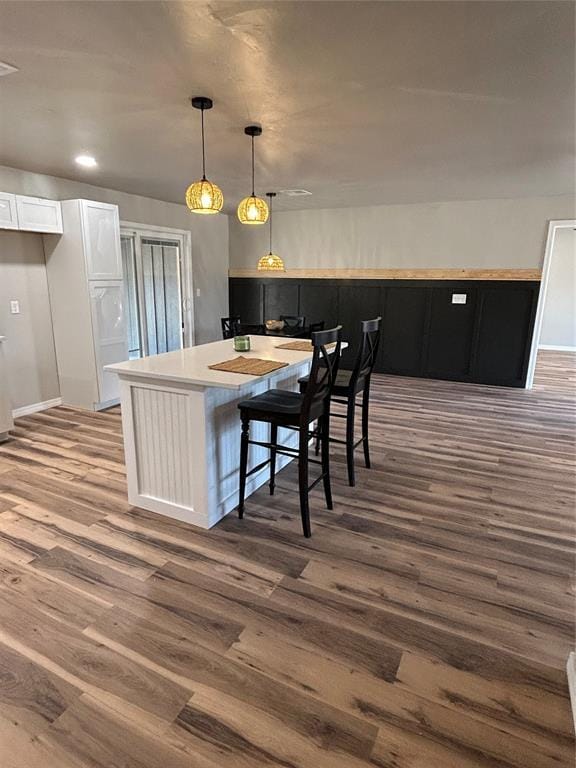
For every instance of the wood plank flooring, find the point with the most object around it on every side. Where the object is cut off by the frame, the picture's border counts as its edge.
(426, 624)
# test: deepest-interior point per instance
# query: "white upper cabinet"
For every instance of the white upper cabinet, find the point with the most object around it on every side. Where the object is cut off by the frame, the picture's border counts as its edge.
(101, 227)
(38, 215)
(8, 215)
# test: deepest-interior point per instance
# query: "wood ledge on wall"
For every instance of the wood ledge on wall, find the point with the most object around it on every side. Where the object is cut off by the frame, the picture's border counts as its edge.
(395, 274)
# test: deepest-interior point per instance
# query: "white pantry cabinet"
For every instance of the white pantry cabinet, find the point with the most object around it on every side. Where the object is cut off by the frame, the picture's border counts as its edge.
(6, 422)
(87, 299)
(35, 214)
(8, 214)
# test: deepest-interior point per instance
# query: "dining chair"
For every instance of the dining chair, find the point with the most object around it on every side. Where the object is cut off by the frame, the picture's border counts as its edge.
(347, 385)
(229, 326)
(315, 327)
(296, 411)
(293, 321)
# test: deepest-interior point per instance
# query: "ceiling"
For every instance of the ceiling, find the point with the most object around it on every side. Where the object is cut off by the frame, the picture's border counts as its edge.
(360, 102)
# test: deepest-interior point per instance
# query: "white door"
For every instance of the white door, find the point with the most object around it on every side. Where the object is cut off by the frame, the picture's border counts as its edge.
(109, 328)
(101, 227)
(153, 290)
(8, 216)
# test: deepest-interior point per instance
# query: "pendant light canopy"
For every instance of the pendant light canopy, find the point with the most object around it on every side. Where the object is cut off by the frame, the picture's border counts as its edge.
(253, 210)
(204, 196)
(271, 262)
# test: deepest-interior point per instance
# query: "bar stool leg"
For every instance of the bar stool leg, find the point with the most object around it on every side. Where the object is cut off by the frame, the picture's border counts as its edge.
(303, 480)
(244, 437)
(350, 415)
(365, 405)
(274, 441)
(325, 434)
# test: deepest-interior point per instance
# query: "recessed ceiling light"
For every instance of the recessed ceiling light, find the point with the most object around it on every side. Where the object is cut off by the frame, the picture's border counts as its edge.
(295, 192)
(6, 69)
(87, 161)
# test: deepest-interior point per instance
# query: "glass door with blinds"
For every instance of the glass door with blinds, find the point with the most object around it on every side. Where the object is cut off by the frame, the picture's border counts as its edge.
(153, 292)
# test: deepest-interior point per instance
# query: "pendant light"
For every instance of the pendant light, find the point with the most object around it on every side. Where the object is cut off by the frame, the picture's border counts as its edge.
(253, 210)
(203, 196)
(271, 262)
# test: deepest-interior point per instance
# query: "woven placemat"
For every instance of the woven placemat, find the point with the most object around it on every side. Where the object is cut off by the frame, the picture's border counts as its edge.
(299, 346)
(253, 366)
(302, 346)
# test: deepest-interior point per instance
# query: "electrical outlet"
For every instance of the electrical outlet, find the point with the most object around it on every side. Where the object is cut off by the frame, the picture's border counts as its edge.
(459, 298)
(14, 307)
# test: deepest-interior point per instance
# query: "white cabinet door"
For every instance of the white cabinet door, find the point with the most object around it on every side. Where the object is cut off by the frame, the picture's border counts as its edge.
(38, 215)
(8, 215)
(109, 329)
(101, 225)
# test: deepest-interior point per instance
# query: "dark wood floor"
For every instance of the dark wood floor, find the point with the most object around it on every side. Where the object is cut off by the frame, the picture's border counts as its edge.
(426, 624)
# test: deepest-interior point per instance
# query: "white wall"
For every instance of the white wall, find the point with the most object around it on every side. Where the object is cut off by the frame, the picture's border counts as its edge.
(559, 317)
(30, 346)
(469, 234)
(29, 349)
(209, 235)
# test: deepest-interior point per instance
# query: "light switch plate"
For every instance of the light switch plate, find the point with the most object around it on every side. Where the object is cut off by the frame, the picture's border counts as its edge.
(14, 307)
(459, 298)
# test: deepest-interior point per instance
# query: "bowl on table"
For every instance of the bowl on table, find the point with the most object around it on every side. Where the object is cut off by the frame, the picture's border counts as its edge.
(274, 325)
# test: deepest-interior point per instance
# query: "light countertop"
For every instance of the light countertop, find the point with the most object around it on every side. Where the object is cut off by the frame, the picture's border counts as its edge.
(190, 365)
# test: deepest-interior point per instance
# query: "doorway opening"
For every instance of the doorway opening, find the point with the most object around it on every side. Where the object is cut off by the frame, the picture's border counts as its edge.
(555, 325)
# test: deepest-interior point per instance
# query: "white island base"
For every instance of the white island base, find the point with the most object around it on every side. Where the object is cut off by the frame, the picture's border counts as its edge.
(181, 427)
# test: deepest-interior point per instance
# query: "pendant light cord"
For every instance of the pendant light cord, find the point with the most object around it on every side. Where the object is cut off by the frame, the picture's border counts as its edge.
(270, 224)
(252, 166)
(203, 152)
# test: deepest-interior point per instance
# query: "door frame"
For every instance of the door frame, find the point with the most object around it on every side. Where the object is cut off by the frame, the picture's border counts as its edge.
(553, 228)
(186, 272)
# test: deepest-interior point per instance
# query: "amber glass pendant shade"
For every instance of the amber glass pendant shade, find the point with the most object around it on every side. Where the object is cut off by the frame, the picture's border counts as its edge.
(271, 262)
(204, 196)
(253, 210)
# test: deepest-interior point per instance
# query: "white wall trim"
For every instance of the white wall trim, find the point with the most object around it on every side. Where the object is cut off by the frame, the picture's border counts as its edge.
(26, 410)
(556, 348)
(553, 227)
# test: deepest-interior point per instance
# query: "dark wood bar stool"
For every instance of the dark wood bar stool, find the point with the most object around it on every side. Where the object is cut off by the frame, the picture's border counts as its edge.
(349, 384)
(294, 410)
(229, 326)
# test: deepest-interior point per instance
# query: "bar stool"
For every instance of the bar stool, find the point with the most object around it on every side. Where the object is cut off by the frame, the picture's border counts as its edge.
(294, 410)
(347, 385)
(229, 326)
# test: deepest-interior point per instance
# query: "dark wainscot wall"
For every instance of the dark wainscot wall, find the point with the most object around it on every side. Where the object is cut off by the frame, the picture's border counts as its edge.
(486, 340)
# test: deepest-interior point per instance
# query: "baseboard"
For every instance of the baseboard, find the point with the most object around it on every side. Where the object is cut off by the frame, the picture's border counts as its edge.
(571, 670)
(26, 410)
(556, 348)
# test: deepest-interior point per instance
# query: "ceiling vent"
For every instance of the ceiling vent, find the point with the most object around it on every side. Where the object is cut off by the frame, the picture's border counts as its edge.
(6, 69)
(295, 192)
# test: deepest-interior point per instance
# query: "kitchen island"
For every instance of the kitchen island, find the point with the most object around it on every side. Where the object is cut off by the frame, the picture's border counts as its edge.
(182, 429)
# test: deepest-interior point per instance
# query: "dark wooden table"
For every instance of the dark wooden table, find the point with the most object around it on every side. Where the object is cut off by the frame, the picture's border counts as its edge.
(291, 333)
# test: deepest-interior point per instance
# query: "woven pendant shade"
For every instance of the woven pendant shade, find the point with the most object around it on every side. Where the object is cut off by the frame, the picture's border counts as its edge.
(271, 263)
(204, 197)
(253, 210)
